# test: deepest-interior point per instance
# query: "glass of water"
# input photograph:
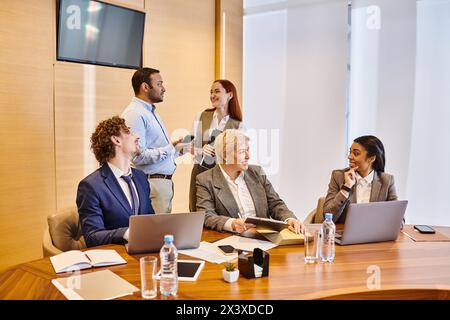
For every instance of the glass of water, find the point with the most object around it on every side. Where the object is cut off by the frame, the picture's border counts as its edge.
(149, 289)
(313, 234)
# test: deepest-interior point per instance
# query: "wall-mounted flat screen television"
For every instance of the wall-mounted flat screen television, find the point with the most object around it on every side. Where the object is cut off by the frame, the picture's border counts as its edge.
(96, 32)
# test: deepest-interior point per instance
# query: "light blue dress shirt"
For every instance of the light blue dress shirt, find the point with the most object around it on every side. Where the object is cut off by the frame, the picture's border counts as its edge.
(157, 153)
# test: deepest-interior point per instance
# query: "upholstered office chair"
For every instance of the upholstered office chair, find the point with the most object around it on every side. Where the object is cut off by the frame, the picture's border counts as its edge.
(316, 215)
(63, 233)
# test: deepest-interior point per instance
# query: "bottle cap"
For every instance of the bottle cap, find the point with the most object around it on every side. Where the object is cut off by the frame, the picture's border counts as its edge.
(328, 216)
(168, 238)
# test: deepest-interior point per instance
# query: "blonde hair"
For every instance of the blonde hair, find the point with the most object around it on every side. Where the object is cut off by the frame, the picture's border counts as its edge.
(226, 145)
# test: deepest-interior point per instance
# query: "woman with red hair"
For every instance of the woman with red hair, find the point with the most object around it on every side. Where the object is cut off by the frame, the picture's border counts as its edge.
(225, 113)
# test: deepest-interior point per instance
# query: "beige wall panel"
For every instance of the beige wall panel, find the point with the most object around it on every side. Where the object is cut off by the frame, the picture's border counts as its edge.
(84, 95)
(133, 4)
(47, 113)
(27, 190)
(180, 42)
(232, 46)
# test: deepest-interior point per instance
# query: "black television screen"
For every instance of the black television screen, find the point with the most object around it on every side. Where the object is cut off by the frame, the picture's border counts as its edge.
(95, 32)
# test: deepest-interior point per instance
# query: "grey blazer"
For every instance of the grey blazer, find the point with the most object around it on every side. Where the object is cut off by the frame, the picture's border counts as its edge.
(215, 197)
(383, 189)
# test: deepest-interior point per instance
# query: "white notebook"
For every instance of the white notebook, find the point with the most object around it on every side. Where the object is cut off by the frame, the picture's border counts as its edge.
(100, 285)
(77, 260)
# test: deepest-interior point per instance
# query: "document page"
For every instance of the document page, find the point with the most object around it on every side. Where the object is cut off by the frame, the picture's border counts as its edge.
(246, 244)
(209, 252)
(100, 285)
(70, 260)
(104, 257)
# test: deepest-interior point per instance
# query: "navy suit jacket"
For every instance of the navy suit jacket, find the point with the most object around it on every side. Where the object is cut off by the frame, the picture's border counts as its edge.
(103, 207)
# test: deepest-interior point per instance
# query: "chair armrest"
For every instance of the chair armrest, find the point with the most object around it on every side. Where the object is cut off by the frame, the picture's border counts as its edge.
(48, 249)
(310, 217)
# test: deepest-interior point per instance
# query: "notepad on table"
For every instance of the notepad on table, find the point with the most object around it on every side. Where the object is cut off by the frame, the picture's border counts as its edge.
(283, 237)
(100, 285)
(78, 260)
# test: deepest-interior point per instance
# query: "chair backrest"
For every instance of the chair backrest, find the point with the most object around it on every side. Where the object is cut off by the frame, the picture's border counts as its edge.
(316, 215)
(65, 230)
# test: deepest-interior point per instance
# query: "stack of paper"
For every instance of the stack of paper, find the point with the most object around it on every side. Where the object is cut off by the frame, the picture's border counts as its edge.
(246, 244)
(209, 252)
(283, 237)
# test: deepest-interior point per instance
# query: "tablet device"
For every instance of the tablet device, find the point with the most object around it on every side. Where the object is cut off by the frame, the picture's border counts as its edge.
(188, 270)
(267, 223)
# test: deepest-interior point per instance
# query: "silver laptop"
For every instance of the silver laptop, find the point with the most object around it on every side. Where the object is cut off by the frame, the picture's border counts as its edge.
(147, 231)
(372, 222)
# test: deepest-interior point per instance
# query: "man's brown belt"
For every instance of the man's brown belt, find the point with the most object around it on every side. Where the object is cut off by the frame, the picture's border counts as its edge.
(159, 176)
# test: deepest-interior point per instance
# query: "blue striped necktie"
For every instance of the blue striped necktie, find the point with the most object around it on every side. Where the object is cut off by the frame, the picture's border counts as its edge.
(134, 199)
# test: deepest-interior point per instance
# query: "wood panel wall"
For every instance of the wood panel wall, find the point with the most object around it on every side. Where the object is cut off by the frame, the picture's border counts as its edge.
(183, 50)
(133, 4)
(48, 108)
(229, 42)
(27, 187)
(84, 95)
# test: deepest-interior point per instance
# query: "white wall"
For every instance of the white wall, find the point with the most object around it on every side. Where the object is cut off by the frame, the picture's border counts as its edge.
(265, 87)
(428, 183)
(295, 57)
(382, 78)
(295, 61)
(399, 91)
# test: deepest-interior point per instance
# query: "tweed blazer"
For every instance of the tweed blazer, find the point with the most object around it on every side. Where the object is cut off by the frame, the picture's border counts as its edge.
(216, 199)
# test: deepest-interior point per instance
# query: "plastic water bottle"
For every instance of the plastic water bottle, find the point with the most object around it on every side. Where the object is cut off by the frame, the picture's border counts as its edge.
(168, 284)
(328, 234)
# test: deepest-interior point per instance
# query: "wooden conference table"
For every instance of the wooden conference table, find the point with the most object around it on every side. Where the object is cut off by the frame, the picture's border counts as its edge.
(408, 270)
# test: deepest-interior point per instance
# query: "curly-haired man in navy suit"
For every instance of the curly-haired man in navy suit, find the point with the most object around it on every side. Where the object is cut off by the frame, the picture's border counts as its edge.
(110, 195)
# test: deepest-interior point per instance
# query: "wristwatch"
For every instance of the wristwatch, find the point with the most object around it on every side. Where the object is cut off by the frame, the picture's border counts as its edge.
(344, 187)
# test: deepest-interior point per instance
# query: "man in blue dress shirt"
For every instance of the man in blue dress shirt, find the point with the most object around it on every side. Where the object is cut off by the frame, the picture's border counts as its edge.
(157, 152)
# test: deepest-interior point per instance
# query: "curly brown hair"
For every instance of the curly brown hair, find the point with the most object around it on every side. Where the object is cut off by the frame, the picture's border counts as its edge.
(101, 143)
